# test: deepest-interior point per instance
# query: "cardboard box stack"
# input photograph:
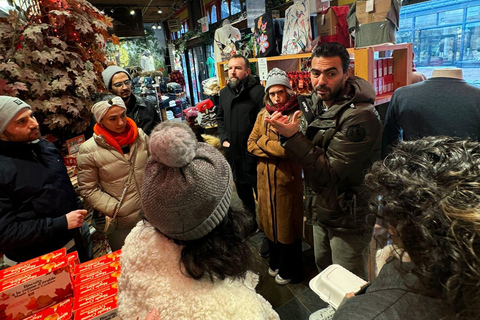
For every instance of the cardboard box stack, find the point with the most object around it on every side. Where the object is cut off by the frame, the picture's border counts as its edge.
(56, 286)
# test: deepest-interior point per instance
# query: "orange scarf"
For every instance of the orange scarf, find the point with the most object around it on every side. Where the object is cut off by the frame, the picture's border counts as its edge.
(117, 140)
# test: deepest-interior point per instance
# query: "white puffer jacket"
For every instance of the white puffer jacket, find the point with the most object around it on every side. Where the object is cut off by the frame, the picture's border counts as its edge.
(103, 173)
(151, 277)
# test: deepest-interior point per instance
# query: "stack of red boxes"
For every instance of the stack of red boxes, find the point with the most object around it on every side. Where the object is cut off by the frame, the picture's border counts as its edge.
(56, 286)
(39, 285)
(96, 287)
(383, 76)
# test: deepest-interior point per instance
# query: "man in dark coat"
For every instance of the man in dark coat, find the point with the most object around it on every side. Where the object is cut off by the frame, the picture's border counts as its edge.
(240, 102)
(340, 142)
(142, 111)
(38, 206)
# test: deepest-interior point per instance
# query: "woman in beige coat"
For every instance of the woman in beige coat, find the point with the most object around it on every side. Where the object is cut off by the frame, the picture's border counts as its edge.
(279, 182)
(111, 165)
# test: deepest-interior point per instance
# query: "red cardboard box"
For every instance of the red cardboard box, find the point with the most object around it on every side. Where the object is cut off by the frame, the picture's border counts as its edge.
(385, 67)
(379, 68)
(390, 65)
(380, 85)
(90, 286)
(73, 260)
(31, 264)
(31, 292)
(375, 66)
(98, 273)
(60, 311)
(103, 310)
(97, 263)
(375, 85)
(81, 301)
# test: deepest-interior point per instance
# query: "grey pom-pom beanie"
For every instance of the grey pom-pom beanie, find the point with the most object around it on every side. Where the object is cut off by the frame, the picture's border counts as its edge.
(108, 74)
(277, 77)
(9, 107)
(187, 185)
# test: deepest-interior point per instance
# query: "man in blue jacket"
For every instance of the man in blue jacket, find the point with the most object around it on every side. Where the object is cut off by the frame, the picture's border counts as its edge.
(38, 205)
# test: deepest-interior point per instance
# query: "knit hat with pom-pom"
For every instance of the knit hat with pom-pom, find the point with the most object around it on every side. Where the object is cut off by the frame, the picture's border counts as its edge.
(187, 185)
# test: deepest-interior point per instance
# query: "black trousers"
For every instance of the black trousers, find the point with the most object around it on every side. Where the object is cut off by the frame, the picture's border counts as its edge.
(287, 258)
(246, 194)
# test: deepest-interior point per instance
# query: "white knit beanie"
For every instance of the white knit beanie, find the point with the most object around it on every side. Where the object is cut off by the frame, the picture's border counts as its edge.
(277, 77)
(9, 107)
(187, 185)
(100, 108)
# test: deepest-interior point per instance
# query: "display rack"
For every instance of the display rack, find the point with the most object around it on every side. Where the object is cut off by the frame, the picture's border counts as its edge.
(364, 64)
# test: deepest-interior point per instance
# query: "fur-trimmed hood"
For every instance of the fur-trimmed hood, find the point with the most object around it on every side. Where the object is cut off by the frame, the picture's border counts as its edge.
(152, 277)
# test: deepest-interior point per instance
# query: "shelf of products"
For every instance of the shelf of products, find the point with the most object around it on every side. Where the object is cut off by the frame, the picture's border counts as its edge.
(364, 65)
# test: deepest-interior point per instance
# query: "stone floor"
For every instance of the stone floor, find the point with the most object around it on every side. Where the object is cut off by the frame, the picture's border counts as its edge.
(292, 301)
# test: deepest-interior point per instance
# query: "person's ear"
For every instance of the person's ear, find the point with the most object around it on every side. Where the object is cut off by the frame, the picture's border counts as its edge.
(248, 71)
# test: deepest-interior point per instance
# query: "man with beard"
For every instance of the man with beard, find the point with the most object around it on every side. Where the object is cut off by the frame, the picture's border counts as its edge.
(38, 206)
(239, 103)
(142, 111)
(340, 142)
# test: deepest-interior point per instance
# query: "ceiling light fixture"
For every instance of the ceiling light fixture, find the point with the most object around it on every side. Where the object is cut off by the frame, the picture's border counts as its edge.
(132, 12)
(159, 11)
(102, 11)
(154, 27)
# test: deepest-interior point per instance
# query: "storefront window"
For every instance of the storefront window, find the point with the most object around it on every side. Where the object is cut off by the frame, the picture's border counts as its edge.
(235, 6)
(404, 37)
(471, 49)
(438, 47)
(428, 20)
(450, 17)
(473, 13)
(406, 23)
(224, 10)
(213, 14)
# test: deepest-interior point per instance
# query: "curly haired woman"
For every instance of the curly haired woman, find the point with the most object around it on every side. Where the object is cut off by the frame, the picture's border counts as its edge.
(430, 193)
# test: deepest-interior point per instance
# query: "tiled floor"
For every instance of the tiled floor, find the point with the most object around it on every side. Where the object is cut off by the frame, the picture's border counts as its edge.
(292, 301)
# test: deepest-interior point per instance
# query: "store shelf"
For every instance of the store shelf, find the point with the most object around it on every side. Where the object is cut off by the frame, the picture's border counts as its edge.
(364, 64)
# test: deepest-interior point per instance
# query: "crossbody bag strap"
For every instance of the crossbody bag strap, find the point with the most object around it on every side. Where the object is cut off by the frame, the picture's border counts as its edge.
(123, 194)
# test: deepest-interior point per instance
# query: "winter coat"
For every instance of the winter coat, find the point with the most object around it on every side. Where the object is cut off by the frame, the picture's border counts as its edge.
(279, 183)
(236, 116)
(103, 173)
(143, 112)
(35, 195)
(336, 150)
(152, 277)
(394, 295)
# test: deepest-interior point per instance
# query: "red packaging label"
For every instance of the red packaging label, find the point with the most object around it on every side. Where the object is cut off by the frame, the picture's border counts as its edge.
(88, 287)
(375, 66)
(380, 85)
(390, 65)
(375, 85)
(379, 68)
(60, 311)
(97, 273)
(97, 263)
(73, 260)
(385, 66)
(81, 301)
(30, 293)
(31, 264)
(105, 309)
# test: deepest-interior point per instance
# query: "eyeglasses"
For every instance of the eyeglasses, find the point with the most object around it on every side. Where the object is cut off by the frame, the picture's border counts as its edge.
(127, 83)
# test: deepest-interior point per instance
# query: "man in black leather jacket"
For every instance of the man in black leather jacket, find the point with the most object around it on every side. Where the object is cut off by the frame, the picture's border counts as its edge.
(142, 111)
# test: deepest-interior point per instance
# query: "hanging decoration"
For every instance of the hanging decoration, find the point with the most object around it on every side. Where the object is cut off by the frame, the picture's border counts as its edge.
(53, 60)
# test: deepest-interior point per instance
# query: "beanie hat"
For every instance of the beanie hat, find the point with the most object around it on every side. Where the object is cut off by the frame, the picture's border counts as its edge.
(100, 108)
(108, 74)
(277, 77)
(187, 185)
(9, 107)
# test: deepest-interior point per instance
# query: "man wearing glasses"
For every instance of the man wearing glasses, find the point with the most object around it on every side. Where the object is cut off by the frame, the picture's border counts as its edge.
(340, 142)
(142, 111)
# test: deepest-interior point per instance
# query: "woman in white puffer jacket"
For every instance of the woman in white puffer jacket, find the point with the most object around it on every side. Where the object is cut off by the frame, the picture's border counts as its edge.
(111, 166)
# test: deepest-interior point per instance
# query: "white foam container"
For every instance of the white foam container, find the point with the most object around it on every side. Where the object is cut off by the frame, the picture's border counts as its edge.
(333, 283)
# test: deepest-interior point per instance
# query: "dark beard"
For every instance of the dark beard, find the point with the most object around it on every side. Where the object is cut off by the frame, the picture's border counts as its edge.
(236, 84)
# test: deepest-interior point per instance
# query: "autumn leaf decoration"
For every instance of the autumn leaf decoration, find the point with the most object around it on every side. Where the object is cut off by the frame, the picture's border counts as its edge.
(52, 57)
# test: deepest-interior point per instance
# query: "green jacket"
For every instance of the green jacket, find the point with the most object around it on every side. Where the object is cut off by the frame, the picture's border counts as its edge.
(336, 150)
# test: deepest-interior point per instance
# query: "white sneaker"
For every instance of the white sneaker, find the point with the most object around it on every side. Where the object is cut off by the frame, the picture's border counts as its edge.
(279, 280)
(273, 273)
